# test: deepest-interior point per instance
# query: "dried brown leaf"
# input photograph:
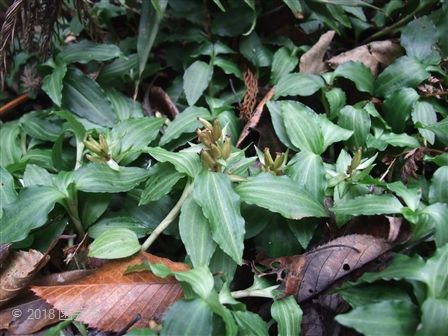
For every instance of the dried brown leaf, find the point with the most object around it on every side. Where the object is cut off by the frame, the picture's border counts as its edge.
(156, 99)
(4, 252)
(372, 55)
(19, 271)
(312, 60)
(109, 300)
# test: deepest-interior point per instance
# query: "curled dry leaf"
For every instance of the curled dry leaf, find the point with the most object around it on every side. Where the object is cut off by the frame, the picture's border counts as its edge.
(250, 97)
(109, 300)
(312, 60)
(18, 272)
(156, 99)
(372, 55)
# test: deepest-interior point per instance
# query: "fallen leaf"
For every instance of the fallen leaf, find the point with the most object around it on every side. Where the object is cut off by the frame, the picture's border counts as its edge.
(371, 55)
(18, 272)
(109, 300)
(394, 228)
(312, 60)
(4, 252)
(156, 99)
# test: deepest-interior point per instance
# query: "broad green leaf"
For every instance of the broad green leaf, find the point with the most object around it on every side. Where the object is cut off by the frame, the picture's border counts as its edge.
(368, 205)
(302, 127)
(288, 315)
(336, 99)
(303, 229)
(404, 72)
(283, 63)
(185, 122)
(437, 216)
(140, 332)
(196, 79)
(424, 113)
(307, 169)
(375, 293)
(298, 84)
(40, 157)
(29, 212)
(92, 206)
(281, 195)
(120, 222)
(438, 191)
(381, 139)
(279, 126)
(411, 196)
(357, 120)
(84, 97)
(440, 160)
(223, 264)
(228, 66)
(419, 38)
(195, 233)
(332, 133)
(147, 31)
(10, 151)
(358, 73)
(188, 318)
(295, 7)
(385, 318)
(42, 125)
(440, 129)
(250, 324)
(185, 162)
(129, 137)
(96, 177)
(86, 51)
(117, 69)
(52, 83)
(255, 51)
(74, 125)
(35, 175)
(434, 317)
(221, 206)
(434, 273)
(235, 21)
(199, 278)
(114, 244)
(124, 107)
(8, 192)
(398, 106)
(162, 179)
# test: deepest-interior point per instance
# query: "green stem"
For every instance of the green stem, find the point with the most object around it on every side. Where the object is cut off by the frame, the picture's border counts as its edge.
(169, 218)
(79, 151)
(254, 293)
(72, 209)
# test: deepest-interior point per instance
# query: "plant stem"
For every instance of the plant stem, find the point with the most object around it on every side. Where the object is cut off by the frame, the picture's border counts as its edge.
(169, 218)
(72, 209)
(79, 150)
(253, 293)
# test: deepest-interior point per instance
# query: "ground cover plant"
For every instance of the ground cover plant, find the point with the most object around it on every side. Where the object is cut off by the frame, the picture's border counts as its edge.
(224, 167)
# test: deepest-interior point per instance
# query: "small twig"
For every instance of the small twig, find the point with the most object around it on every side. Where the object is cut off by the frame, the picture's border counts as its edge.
(388, 169)
(13, 103)
(169, 218)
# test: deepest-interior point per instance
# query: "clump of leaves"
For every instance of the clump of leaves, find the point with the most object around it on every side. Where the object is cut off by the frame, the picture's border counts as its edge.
(104, 167)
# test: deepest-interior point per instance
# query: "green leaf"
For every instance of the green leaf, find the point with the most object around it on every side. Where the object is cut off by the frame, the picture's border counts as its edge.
(117, 69)
(255, 51)
(357, 120)
(147, 31)
(280, 194)
(419, 38)
(92, 206)
(375, 293)
(185, 162)
(250, 324)
(124, 107)
(384, 318)
(434, 317)
(368, 205)
(279, 126)
(114, 244)
(381, 139)
(195, 233)
(404, 72)
(196, 79)
(332, 133)
(302, 126)
(283, 63)
(84, 97)
(411, 196)
(185, 122)
(288, 315)
(52, 83)
(42, 125)
(398, 106)
(434, 273)
(440, 129)
(96, 177)
(8, 192)
(219, 4)
(29, 212)
(221, 206)
(10, 151)
(35, 175)
(424, 113)
(336, 99)
(74, 125)
(307, 169)
(438, 191)
(199, 278)
(298, 84)
(228, 66)
(358, 73)
(188, 318)
(120, 222)
(162, 179)
(437, 216)
(86, 51)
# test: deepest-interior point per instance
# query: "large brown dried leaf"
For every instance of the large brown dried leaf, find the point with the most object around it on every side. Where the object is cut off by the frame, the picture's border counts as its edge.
(109, 300)
(312, 60)
(372, 55)
(18, 272)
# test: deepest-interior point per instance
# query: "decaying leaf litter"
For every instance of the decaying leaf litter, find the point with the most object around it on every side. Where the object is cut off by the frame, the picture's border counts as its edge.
(292, 163)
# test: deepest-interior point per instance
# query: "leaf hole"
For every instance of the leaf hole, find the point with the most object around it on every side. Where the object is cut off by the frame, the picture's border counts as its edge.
(275, 264)
(346, 267)
(310, 291)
